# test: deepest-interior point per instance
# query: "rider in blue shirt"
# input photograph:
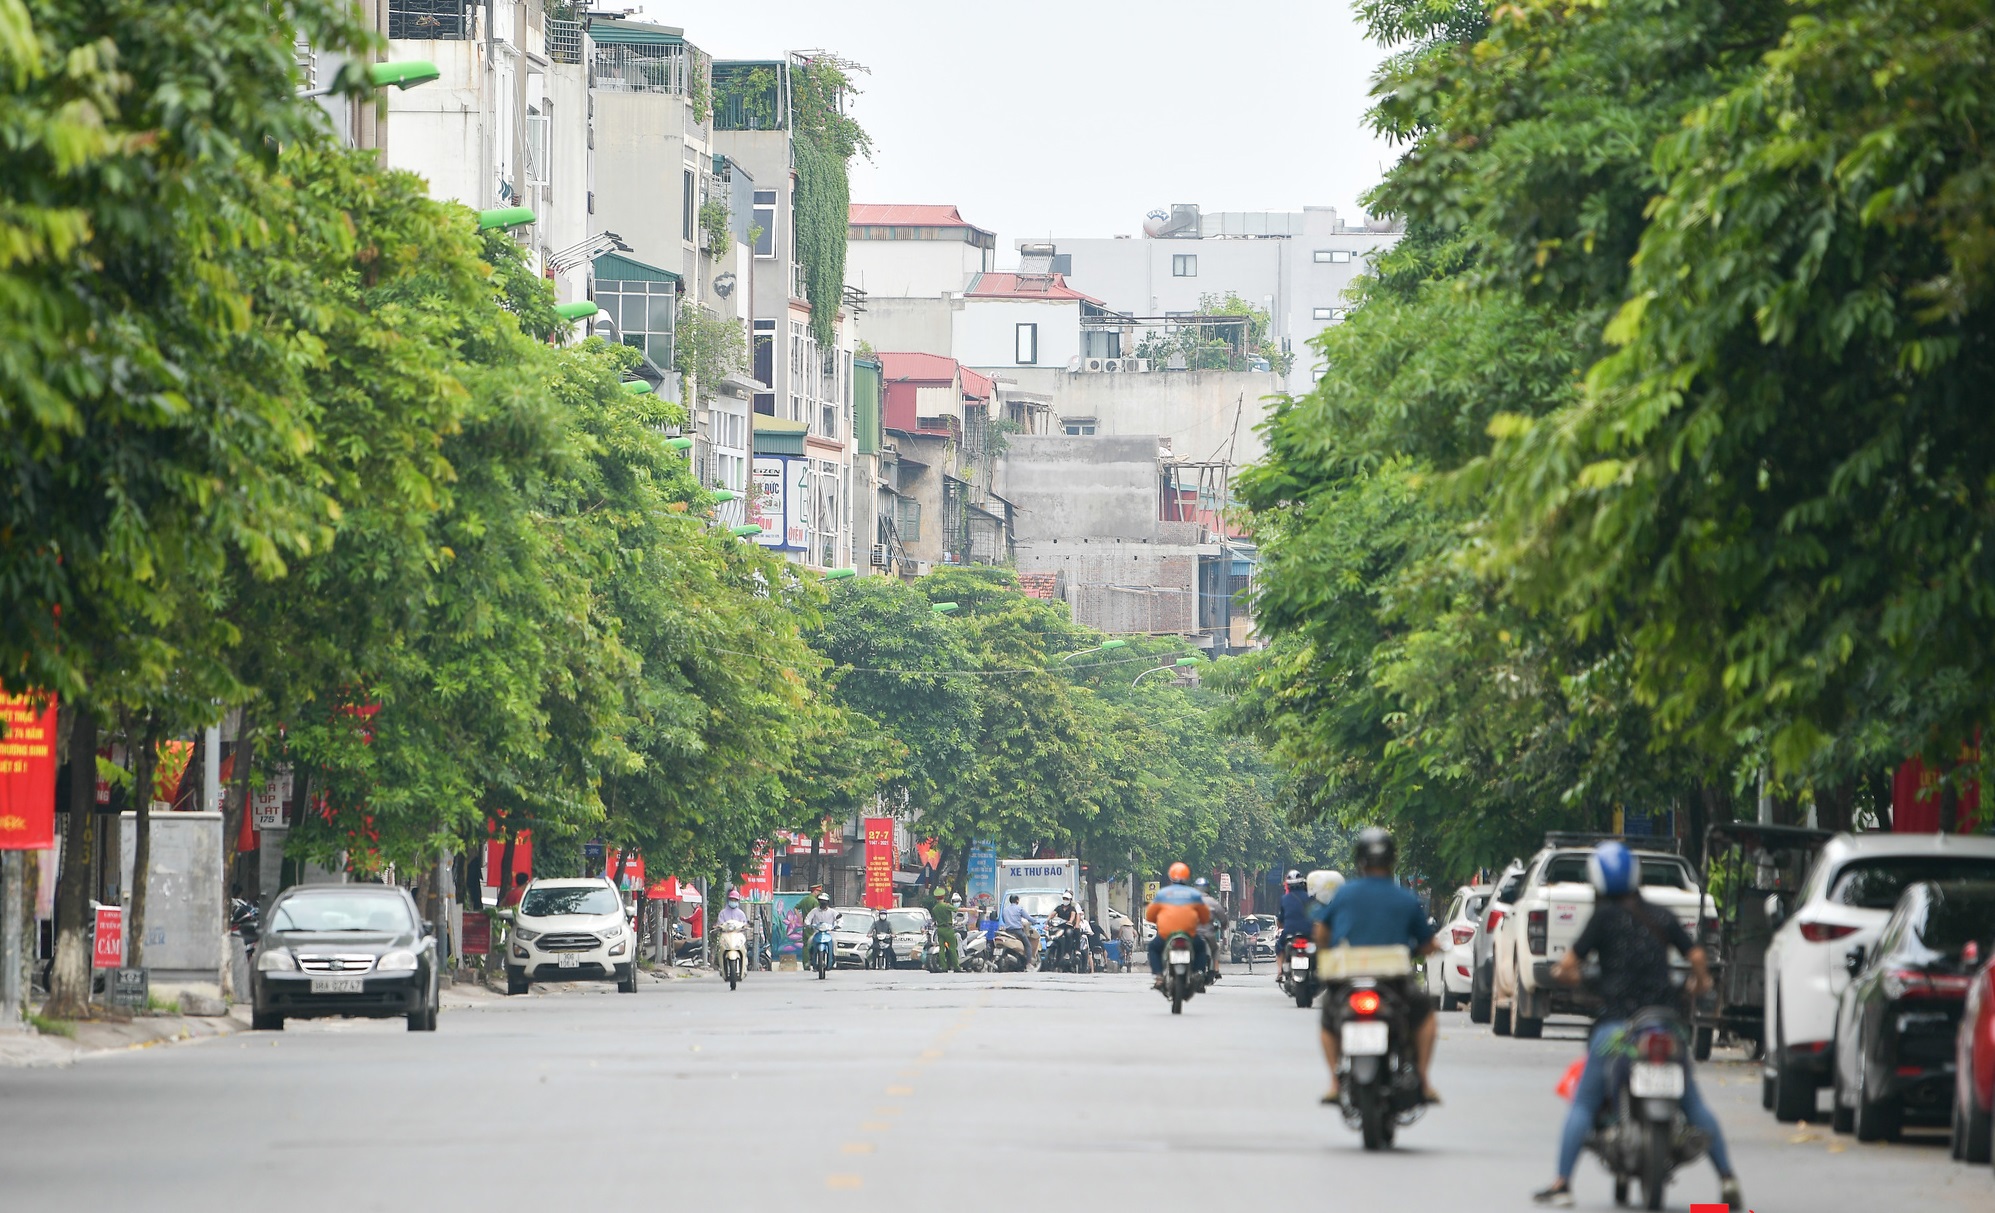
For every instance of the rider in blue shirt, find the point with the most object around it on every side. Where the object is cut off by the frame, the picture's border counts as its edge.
(1296, 903)
(1374, 911)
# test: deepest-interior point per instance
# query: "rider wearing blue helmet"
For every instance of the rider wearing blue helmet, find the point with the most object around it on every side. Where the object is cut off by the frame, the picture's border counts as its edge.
(1632, 940)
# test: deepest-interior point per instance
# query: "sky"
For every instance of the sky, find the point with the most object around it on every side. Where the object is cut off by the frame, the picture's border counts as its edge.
(1041, 119)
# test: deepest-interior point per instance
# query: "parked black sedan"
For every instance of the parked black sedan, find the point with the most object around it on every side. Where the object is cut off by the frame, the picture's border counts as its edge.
(349, 949)
(1895, 1028)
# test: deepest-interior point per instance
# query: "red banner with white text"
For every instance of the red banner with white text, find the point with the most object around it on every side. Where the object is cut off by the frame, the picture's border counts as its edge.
(879, 863)
(27, 775)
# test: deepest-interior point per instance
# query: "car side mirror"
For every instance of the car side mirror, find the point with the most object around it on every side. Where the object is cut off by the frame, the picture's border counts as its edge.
(508, 914)
(1854, 960)
(1776, 910)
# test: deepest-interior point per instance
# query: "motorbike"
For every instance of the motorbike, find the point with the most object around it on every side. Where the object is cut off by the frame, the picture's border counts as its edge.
(732, 939)
(976, 952)
(1008, 952)
(245, 922)
(1378, 1086)
(1065, 950)
(931, 951)
(1296, 973)
(1641, 1132)
(823, 956)
(1181, 980)
(881, 955)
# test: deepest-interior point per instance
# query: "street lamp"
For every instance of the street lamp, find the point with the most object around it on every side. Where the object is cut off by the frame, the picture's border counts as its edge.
(943, 608)
(1104, 646)
(723, 496)
(1182, 661)
(405, 73)
(840, 574)
(637, 387)
(679, 444)
(745, 532)
(581, 309)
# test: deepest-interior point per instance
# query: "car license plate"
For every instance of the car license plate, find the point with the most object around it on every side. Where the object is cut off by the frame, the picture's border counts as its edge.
(568, 960)
(1365, 1038)
(337, 985)
(1656, 1082)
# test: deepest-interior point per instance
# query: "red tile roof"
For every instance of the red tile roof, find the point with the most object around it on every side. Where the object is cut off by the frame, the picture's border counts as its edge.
(926, 368)
(1025, 286)
(900, 214)
(1040, 585)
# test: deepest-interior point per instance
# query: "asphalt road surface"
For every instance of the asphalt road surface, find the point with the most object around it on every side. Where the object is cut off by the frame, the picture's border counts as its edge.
(869, 1091)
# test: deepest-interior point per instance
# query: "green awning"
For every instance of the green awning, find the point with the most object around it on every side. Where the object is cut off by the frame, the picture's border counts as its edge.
(613, 266)
(777, 436)
(611, 32)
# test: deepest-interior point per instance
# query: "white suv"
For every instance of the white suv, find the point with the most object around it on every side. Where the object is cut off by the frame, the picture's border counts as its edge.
(570, 930)
(1843, 904)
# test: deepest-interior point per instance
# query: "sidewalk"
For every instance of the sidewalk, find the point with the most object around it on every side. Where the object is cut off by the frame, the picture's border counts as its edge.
(31, 1048)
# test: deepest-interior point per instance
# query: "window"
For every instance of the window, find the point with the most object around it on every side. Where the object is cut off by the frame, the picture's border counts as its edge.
(689, 205)
(1321, 313)
(1082, 428)
(1184, 265)
(765, 224)
(1025, 341)
(1332, 256)
(644, 313)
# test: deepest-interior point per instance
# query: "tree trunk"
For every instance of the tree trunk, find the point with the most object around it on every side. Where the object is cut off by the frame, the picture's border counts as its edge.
(145, 736)
(503, 882)
(1879, 782)
(1836, 808)
(69, 978)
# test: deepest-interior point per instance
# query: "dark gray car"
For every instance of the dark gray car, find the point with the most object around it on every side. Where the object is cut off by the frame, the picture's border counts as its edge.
(347, 949)
(1483, 969)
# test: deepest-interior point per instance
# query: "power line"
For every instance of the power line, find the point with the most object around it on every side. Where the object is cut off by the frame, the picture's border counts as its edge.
(862, 669)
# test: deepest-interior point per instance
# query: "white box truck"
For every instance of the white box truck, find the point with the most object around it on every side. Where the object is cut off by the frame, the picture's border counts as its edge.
(1038, 883)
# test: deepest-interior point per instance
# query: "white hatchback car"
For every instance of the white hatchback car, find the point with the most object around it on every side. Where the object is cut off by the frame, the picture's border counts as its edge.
(1450, 971)
(570, 930)
(1844, 903)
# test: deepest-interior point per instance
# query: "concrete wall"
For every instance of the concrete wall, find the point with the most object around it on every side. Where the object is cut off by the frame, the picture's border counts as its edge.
(922, 326)
(911, 268)
(641, 156)
(438, 130)
(986, 333)
(1205, 414)
(565, 86)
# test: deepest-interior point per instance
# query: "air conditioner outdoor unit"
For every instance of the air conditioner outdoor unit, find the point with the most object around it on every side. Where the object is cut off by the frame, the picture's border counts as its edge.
(1111, 365)
(1136, 364)
(923, 568)
(880, 555)
(1091, 365)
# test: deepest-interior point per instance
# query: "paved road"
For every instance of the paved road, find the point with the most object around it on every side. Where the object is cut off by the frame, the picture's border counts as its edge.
(869, 1091)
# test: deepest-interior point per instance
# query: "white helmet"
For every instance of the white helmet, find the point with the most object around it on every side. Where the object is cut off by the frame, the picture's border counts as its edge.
(1324, 883)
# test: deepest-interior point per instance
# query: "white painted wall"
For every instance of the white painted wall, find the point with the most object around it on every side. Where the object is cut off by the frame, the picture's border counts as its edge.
(911, 268)
(438, 131)
(986, 332)
(1205, 414)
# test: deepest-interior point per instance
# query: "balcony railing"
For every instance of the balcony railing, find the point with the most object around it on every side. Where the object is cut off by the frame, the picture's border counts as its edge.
(564, 40)
(429, 20)
(639, 69)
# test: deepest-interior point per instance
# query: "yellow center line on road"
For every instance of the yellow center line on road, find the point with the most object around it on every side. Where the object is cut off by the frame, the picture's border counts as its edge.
(931, 1054)
(843, 1182)
(886, 1110)
(856, 1147)
(900, 1090)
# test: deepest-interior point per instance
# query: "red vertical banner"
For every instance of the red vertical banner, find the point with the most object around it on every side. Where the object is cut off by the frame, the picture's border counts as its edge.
(27, 775)
(879, 863)
(758, 883)
(107, 948)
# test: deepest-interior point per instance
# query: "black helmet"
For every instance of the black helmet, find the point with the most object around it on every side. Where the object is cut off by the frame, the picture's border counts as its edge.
(1294, 879)
(1374, 848)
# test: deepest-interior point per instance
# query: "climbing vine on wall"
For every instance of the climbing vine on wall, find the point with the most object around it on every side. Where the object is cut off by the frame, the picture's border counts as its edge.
(826, 139)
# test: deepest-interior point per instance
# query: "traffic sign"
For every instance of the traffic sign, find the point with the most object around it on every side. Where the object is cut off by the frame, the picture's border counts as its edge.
(107, 950)
(1150, 890)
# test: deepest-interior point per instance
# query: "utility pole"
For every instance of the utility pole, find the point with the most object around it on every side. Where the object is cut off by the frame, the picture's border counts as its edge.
(11, 927)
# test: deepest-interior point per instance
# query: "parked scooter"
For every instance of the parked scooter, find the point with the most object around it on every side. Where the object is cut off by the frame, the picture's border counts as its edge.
(245, 921)
(931, 951)
(732, 941)
(976, 952)
(1641, 1132)
(1378, 1085)
(1296, 972)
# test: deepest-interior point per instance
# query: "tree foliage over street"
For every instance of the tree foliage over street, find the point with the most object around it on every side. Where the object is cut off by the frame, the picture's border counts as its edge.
(1650, 459)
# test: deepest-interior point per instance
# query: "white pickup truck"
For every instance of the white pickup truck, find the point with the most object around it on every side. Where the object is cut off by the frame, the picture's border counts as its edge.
(1548, 916)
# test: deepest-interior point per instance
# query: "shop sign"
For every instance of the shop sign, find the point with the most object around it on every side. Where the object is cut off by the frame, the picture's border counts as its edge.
(107, 949)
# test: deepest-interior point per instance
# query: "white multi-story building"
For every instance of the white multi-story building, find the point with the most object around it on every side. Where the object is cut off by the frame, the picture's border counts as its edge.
(1295, 265)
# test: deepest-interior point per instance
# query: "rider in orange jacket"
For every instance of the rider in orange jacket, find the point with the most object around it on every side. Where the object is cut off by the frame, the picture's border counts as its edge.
(1177, 908)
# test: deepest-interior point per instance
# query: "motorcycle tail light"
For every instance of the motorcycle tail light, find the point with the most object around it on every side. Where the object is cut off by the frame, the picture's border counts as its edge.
(1299, 944)
(1535, 932)
(1824, 932)
(1364, 1002)
(1659, 1048)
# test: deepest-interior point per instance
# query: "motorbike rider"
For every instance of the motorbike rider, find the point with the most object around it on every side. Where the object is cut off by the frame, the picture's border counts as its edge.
(1375, 911)
(1177, 907)
(1062, 935)
(823, 919)
(1213, 931)
(732, 914)
(1013, 918)
(883, 939)
(1294, 911)
(1632, 940)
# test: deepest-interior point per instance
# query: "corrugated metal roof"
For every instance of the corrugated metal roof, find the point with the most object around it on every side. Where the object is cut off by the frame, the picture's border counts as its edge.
(613, 265)
(978, 387)
(900, 367)
(615, 31)
(905, 214)
(1025, 286)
